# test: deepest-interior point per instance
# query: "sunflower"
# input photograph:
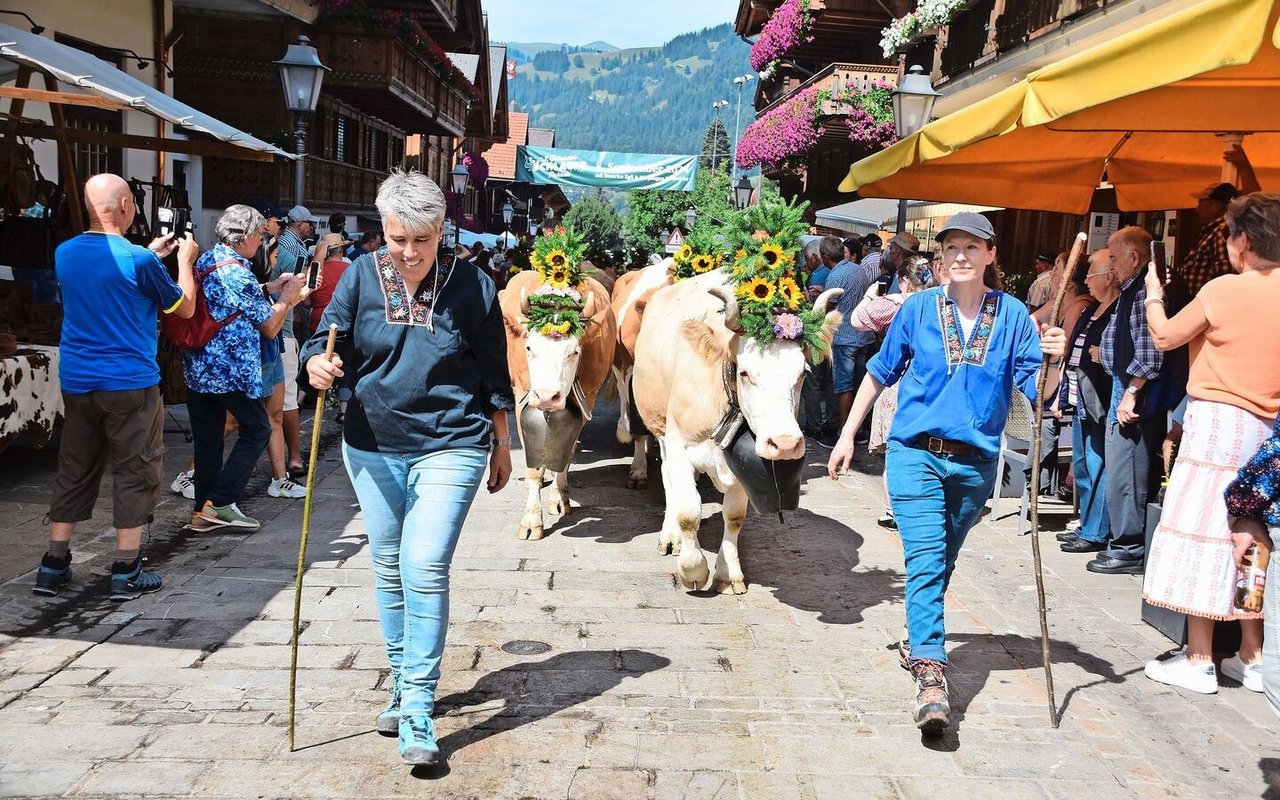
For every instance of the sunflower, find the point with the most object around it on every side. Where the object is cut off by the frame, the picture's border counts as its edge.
(790, 292)
(555, 329)
(772, 254)
(702, 263)
(741, 254)
(558, 277)
(684, 253)
(557, 258)
(536, 261)
(757, 290)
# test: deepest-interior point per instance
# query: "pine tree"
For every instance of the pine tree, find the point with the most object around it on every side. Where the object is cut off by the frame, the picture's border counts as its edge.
(715, 146)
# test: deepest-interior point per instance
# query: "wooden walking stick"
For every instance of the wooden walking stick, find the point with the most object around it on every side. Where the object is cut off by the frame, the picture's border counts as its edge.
(1037, 435)
(302, 545)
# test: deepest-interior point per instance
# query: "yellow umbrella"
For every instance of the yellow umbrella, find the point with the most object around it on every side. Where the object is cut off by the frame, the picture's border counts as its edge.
(1147, 109)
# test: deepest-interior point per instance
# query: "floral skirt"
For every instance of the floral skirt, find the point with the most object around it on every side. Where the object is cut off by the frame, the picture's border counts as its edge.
(1189, 567)
(882, 419)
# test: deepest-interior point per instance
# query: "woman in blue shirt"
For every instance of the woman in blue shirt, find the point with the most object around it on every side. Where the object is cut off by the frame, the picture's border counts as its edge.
(955, 352)
(424, 341)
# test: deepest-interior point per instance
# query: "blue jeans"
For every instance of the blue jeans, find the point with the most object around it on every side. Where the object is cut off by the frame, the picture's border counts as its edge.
(223, 483)
(936, 499)
(414, 506)
(1087, 440)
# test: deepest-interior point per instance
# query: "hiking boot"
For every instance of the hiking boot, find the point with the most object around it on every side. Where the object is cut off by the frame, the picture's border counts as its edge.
(418, 746)
(932, 712)
(185, 484)
(389, 720)
(52, 575)
(229, 515)
(129, 582)
(285, 487)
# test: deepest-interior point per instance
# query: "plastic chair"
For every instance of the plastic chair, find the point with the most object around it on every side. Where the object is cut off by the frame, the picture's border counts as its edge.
(1015, 450)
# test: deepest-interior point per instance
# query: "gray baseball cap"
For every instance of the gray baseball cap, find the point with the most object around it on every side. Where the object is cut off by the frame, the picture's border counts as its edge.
(971, 223)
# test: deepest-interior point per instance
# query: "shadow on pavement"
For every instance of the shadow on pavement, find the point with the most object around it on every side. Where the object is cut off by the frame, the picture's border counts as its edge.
(1270, 768)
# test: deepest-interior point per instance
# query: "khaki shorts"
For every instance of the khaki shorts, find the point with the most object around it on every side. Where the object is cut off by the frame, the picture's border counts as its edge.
(290, 357)
(125, 429)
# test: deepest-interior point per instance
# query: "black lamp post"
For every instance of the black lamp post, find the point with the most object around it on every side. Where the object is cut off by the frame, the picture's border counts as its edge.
(458, 177)
(301, 75)
(742, 192)
(912, 105)
(508, 212)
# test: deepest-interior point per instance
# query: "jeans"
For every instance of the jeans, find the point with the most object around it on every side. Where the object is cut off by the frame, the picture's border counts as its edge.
(848, 367)
(936, 499)
(219, 483)
(1087, 440)
(821, 414)
(414, 506)
(1271, 631)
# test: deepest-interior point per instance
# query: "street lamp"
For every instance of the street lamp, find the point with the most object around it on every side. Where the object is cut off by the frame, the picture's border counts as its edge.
(533, 227)
(458, 177)
(548, 214)
(719, 106)
(301, 75)
(741, 81)
(690, 217)
(912, 105)
(508, 211)
(742, 192)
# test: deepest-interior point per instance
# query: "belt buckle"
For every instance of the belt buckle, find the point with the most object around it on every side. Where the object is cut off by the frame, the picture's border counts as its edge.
(937, 449)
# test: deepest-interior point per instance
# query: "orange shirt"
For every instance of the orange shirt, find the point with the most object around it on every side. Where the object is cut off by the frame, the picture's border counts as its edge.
(1237, 359)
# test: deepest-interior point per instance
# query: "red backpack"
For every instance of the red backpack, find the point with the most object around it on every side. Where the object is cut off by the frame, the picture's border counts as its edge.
(199, 330)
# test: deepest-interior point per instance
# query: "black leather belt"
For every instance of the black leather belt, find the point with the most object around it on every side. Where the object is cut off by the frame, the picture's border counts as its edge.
(944, 447)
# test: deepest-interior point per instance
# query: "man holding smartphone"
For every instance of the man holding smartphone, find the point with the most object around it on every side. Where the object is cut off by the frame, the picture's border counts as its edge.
(291, 247)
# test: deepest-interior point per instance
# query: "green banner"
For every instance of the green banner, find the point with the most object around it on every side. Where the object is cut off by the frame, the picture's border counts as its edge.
(553, 165)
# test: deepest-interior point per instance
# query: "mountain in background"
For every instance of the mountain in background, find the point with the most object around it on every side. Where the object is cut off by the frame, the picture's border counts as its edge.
(646, 100)
(525, 51)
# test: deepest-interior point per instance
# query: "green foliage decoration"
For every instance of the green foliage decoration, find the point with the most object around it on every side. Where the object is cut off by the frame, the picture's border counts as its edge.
(555, 307)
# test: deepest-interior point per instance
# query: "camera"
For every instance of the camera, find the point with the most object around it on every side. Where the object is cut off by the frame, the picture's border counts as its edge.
(173, 220)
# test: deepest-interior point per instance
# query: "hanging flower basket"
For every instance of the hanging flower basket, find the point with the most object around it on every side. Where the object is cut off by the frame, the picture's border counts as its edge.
(929, 14)
(790, 26)
(477, 168)
(870, 117)
(785, 132)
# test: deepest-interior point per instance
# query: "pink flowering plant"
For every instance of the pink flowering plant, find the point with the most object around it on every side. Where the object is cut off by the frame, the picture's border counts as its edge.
(870, 117)
(792, 129)
(477, 168)
(790, 26)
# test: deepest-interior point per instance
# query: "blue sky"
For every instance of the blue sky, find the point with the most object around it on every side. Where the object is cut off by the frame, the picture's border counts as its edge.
(623, 23)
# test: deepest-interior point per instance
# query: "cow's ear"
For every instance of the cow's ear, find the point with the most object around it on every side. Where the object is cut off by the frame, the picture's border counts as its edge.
(704, 341)
(829, 324)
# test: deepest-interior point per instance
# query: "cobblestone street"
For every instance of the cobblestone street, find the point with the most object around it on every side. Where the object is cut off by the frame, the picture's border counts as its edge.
(789, 691)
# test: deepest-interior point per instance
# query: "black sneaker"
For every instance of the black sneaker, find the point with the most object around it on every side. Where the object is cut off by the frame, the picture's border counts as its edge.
(129, 582)
(52, 575)
(887, 520)
(932, 712)
(827, 440)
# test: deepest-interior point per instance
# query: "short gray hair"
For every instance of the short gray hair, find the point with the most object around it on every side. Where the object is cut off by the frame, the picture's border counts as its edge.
(238, 223)
(831, 248)
(811, 250)
(414, 200)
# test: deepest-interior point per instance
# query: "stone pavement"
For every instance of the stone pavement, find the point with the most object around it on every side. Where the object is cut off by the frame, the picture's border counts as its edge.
(646, 691)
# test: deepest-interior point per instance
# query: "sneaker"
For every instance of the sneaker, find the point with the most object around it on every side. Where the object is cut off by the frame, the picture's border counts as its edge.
(887, 521)
(201, 525)
(52, 575)
(932, 712)
(418, 746)
(129, 582)
(827, 440)
(1073, 526)
(1247, 675)
(229, 515)
(185, 484)
(389, 720)
(285, 487)
(1182, 672)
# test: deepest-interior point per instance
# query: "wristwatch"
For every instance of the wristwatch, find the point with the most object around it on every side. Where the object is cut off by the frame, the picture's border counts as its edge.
(1131, 390)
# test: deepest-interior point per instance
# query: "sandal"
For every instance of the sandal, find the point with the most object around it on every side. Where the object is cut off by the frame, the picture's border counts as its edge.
(297, 471)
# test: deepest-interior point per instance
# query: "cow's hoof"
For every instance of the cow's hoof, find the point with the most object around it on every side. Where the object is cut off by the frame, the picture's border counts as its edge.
(727, 587)
(522, 533)
(559, 508)
(664, 548)
(695, 577)
(637, 482)
(536, 533)
(530, 532)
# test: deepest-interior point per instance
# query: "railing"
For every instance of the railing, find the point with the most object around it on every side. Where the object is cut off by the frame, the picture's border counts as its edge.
(978, 34)
(836, 78)
(327, 184)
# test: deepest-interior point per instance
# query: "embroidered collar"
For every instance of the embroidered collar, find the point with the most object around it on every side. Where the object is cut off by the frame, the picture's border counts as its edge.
(401, 308)
(975, 350)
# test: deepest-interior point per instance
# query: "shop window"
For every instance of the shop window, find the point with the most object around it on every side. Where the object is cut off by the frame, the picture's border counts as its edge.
(343, 132)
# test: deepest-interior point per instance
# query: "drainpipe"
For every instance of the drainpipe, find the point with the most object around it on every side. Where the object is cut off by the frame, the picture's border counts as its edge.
(160, 56)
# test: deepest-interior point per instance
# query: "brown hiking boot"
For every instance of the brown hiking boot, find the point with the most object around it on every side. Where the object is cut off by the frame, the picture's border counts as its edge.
(933, 711)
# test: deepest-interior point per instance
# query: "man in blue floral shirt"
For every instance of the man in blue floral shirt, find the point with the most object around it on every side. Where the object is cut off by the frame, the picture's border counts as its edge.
(226, 374)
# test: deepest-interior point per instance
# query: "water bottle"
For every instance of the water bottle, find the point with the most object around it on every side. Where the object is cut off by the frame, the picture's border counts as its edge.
(1252, 578)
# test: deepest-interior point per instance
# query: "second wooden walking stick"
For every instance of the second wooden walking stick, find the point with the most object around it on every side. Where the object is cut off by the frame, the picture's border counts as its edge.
(1037, 435)
(302, 544)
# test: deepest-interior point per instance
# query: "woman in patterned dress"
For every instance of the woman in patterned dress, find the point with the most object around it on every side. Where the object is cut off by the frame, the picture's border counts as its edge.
(1234, 391)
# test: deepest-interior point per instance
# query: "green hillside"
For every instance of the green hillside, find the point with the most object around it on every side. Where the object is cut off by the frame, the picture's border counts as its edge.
(653, 99)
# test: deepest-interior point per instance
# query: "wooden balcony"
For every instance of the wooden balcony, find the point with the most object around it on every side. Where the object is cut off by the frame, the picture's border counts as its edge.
(380, 74)
(328, 184)
(987, 29)
(835, 78)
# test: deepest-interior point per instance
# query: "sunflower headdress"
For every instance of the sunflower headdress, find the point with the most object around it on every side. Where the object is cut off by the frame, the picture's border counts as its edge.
(771, 300)
(555, 307)
(703, 250)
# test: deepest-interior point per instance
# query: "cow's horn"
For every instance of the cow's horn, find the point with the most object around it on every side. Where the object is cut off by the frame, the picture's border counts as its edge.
(826, 300)
(524, 302)
(730, 307)
(589, 307)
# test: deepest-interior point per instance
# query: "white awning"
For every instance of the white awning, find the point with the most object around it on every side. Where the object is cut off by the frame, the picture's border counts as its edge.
(79, 69)
(858, 217)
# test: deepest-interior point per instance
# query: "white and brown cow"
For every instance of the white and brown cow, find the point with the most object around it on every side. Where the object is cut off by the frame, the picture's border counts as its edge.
(556, 381)
(631, 293)
(688, 351)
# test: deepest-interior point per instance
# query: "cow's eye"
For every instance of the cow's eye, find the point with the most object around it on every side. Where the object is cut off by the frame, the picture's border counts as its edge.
(743, 374)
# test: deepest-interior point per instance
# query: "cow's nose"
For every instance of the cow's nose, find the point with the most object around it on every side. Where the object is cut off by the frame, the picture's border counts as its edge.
(784, 447)
(547, 399)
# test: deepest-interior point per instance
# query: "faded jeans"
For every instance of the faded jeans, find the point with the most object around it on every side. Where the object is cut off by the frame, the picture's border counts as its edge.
(414, 506)
(1271, 631)
(936, 499)
(1088, 438)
